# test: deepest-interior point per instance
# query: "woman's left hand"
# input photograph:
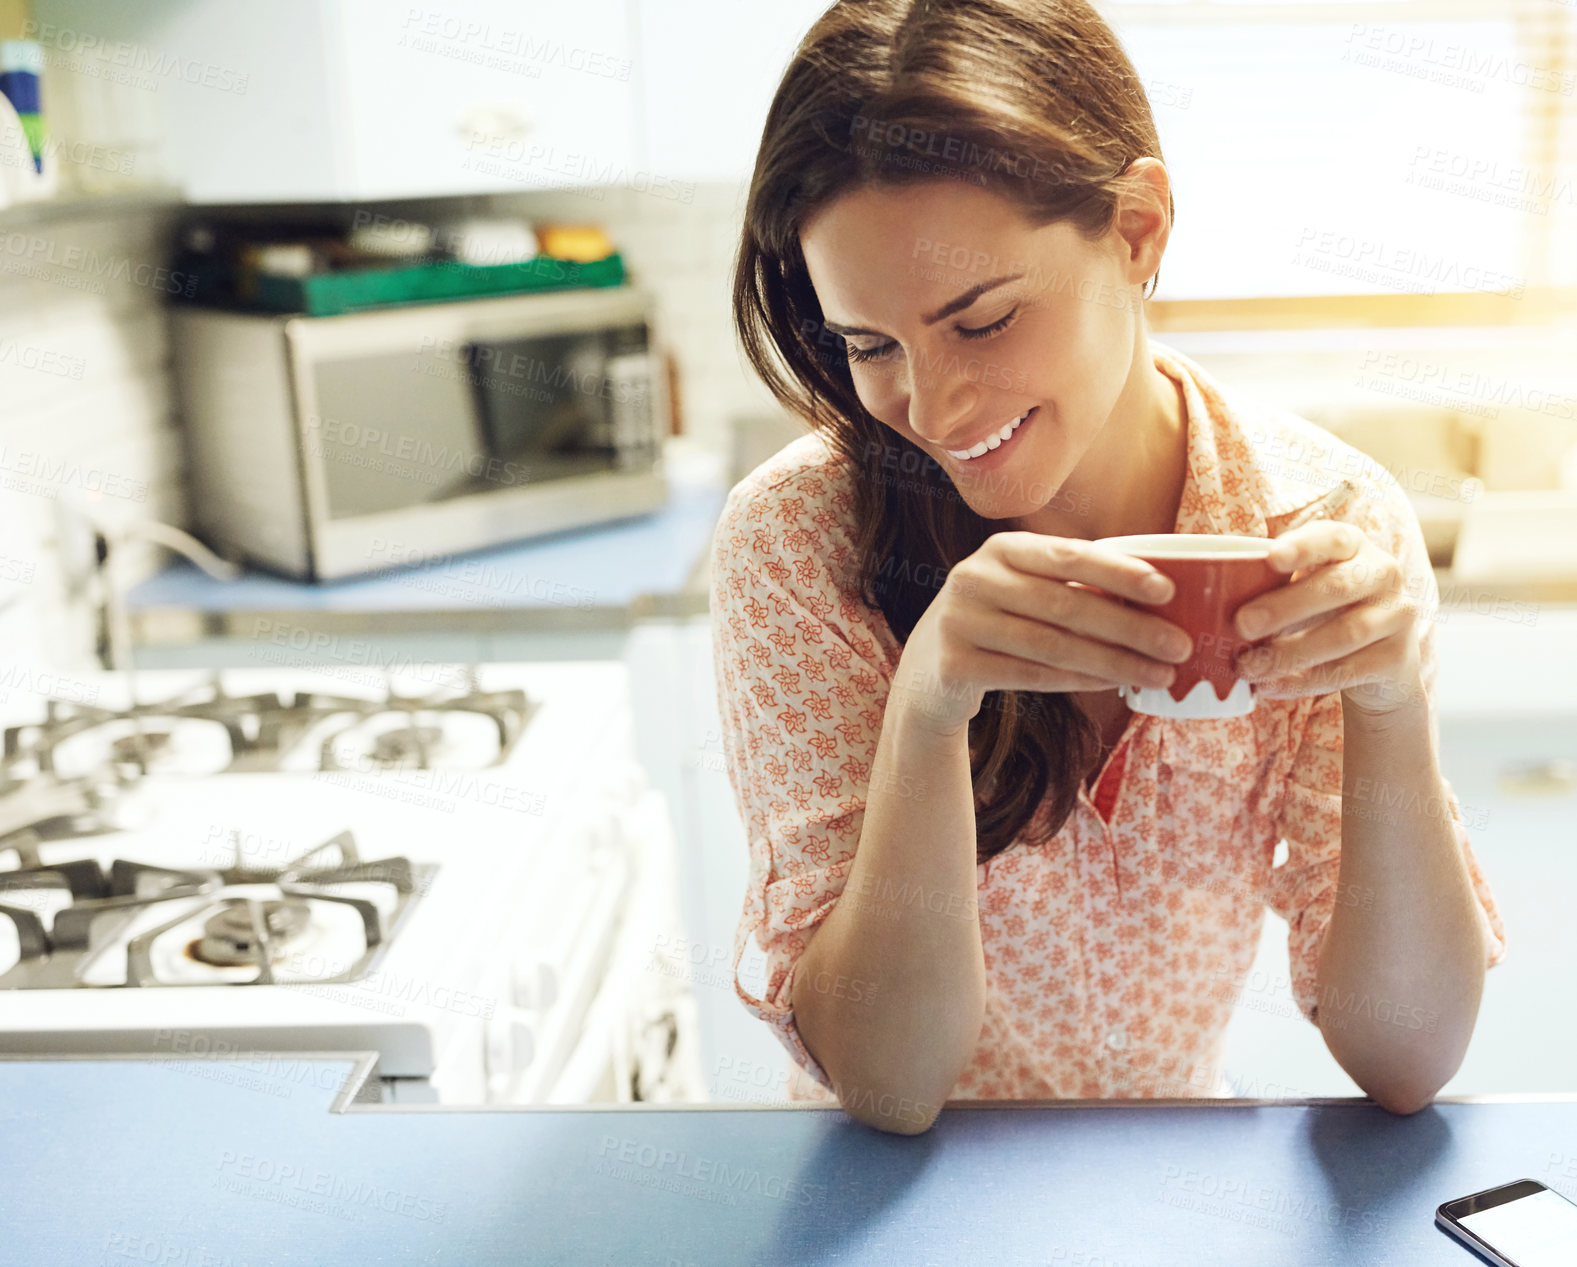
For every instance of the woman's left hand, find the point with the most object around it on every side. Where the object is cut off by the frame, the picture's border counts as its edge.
(1344, 622)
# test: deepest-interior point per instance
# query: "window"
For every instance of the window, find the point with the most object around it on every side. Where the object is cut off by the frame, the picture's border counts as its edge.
(1401, 148)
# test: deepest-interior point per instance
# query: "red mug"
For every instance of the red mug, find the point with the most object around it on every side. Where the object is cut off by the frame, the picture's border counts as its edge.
(1213, 576)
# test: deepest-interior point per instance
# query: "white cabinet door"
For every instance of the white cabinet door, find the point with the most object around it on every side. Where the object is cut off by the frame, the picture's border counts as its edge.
(708, 69)
(487, 95)
(242, 100)
(344, 100)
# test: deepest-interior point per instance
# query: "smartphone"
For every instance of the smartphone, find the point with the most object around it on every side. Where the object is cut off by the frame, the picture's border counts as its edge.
(1521, 1224)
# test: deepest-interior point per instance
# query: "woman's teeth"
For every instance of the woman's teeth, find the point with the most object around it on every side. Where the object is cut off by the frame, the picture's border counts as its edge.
(990, 442)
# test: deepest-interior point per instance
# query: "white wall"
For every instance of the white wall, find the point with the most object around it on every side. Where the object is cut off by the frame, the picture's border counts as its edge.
(85, 410)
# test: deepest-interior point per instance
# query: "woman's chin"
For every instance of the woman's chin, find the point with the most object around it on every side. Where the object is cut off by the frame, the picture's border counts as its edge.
(1023, 498)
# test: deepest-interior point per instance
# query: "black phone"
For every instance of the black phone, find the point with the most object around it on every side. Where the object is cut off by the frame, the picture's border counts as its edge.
(1521, 1224)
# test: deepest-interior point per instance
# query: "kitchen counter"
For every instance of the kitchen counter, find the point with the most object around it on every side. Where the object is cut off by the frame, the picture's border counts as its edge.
(571, 595)
(271, 1160)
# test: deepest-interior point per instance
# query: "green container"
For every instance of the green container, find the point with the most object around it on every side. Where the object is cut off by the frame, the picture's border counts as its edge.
(329, 294)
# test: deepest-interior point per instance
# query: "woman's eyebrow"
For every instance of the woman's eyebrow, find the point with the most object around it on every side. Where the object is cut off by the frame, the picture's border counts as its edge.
(946, 310)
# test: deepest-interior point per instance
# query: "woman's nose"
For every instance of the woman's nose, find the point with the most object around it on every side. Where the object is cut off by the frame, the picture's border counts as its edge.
(939, 403)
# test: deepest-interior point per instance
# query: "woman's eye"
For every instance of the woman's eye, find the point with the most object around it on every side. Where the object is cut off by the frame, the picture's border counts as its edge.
(981, 332)
(977, 332)
(866, 354)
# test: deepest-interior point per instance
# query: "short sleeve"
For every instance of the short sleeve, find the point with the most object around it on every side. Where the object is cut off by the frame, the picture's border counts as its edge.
(1304, 888)
(802, 675)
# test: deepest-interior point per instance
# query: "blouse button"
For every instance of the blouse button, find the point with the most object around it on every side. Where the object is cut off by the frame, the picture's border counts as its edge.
(1117, 1038)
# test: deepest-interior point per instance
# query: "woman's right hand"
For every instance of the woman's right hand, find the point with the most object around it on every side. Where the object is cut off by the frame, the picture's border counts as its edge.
(1018, 615)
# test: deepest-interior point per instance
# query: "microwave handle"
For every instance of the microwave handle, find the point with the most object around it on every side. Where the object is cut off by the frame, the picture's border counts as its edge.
(631, 397)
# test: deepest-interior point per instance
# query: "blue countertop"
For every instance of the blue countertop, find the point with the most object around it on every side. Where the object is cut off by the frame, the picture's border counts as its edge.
(608, 566)
(245, 1162)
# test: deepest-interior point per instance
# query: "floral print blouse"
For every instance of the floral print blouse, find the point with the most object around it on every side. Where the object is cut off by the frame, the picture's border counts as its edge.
(1114, 953)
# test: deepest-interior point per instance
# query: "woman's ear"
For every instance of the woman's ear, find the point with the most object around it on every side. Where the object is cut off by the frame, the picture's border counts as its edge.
(1143, 219)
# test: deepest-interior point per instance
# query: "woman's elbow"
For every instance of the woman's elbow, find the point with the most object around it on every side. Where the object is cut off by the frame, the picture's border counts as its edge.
(895, 1104)
(900, 1100)
(1403, 1101)
(890, 1112)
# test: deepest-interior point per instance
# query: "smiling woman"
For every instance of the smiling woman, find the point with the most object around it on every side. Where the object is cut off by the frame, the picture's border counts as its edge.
(972, 872)
(933, 246)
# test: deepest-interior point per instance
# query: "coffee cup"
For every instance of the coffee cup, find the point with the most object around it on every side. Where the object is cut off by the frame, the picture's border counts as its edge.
(1213, 575)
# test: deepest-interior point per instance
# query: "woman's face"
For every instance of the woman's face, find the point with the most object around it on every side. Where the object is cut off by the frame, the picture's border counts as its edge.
(959, 317)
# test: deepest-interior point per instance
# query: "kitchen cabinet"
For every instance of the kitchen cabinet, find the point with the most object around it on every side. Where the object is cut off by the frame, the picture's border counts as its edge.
(361, 100)
(349, 100)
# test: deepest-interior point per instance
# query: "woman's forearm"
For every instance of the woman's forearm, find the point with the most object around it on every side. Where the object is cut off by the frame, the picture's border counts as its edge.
(1401, 968)
(889, 995)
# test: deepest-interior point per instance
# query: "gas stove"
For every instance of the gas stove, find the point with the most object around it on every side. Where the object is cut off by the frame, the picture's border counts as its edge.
(323, 917)
(208, 728)
(133, 922)
(440, 877)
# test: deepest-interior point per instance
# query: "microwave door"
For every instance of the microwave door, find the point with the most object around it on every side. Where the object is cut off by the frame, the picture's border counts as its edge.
(392, 431)
(542, 406)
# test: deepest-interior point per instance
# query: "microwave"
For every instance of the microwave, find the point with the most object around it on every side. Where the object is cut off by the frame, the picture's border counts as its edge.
(326, 447)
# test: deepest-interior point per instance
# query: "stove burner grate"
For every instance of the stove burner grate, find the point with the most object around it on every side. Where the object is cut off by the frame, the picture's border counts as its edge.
(239, 931)
(257, 732)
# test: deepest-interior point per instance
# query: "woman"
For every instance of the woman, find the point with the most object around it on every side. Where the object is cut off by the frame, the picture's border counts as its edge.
(974, 873)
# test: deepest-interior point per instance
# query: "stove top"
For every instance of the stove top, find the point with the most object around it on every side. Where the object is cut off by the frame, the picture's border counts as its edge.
(206, 729)
(72, 920)
(372, 884)
(322, 918)
(65, 771)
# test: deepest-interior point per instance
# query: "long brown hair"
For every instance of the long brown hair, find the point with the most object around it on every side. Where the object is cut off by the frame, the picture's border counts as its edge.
(1032, 99)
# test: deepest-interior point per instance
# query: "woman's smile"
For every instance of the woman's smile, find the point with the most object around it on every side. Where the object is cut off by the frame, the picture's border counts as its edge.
(990, 452)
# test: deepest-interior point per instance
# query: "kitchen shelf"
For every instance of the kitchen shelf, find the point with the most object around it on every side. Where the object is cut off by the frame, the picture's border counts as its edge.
(330, 294)
(87, 206)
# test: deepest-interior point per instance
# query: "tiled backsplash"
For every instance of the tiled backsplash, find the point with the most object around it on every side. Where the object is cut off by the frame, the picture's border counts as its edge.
(85, 411)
